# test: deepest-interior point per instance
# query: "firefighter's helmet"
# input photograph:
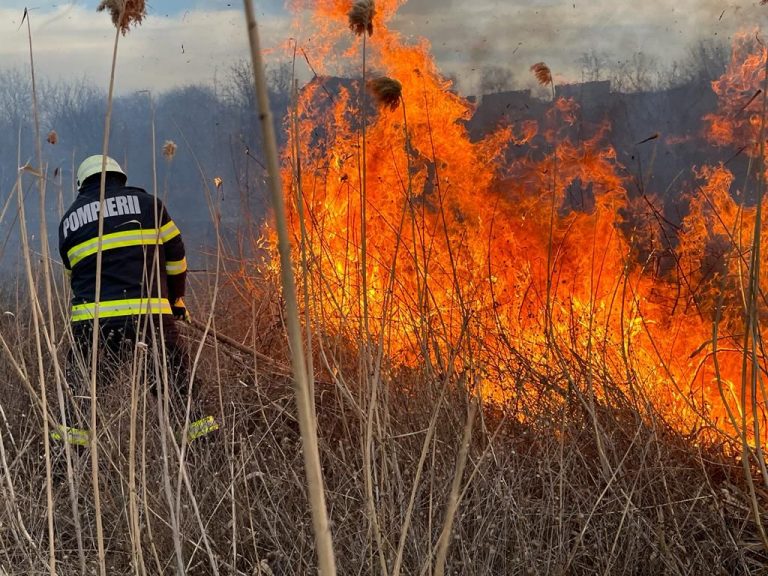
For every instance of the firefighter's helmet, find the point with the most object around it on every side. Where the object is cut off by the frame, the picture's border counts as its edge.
(92, 165)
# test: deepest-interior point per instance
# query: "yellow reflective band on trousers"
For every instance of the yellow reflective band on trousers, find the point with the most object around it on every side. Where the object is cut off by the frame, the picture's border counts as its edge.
(169, 231)
(74, 436)
(116, 308)
(146, 237)
(175, 267)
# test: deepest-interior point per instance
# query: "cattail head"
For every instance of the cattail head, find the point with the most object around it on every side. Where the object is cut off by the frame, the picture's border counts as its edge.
(361, 17)
(124, 12)
(542, 72)
(169, 150)
(386, 91)
(52, 138)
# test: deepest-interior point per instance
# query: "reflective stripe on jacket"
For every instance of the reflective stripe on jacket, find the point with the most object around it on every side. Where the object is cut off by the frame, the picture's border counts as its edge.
(114, 308)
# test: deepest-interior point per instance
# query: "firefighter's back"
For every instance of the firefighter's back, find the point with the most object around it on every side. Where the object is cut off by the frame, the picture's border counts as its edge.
(133, 267)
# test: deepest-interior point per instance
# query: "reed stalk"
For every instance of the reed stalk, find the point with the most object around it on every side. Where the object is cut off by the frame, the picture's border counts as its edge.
(304, 246)
(367, 380)
(551, 239)
(307, 418)
(94, 445)
(37, 320)
(751, 379)
(47, 284)
(454, 496)
(134, 518)
(160, 362)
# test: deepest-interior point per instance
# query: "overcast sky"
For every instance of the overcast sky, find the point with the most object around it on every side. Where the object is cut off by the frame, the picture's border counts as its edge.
(190, 41)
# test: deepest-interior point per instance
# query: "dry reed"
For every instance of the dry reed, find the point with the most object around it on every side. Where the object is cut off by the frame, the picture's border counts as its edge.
(169, 150)
(386, 91)
(124, 13)
(361, 17)
(542, 72)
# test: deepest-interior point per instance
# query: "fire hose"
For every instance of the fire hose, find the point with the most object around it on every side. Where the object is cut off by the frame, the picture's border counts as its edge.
(230, 342)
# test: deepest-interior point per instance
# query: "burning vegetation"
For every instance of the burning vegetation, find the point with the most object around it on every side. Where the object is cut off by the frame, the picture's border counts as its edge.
(478, 262)
(521, 362)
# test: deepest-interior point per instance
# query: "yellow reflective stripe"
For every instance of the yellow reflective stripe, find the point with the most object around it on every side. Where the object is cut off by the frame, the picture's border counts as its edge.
(74, 436)
(115, 308)
(201, 427)
(112, 241)
(174, 267)
(169, 231)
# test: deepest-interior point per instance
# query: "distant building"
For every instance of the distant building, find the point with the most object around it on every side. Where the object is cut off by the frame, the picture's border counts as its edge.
(587, 93)
(502, 108)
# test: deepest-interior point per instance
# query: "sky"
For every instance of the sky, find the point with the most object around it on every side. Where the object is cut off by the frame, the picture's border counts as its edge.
(195, 41)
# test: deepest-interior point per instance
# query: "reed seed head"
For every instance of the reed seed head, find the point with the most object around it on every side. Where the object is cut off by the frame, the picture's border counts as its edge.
(386, 91)
(361, 17)
(124, 13)
(169, 150)
(52, 138)
(542, 72)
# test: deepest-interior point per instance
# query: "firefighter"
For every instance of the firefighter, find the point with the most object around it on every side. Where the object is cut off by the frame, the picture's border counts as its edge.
(143, 276)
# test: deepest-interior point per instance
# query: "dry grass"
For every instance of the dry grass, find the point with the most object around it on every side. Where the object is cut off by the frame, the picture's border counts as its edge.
(419, 476)
(533, 497)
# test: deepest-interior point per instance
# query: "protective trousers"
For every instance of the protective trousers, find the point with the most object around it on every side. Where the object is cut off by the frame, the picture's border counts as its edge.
(118, 340)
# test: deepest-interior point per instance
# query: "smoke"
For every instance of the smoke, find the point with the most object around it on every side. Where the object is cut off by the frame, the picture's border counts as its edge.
(472, 36)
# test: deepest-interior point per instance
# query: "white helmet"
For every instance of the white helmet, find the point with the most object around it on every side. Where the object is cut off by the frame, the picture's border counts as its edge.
(92, 165)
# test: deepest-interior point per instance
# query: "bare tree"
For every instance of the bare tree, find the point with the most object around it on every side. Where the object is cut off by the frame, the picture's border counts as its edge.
(594, 65)
(638, 73)
(237, 89)
(15, 96)
(706, 61)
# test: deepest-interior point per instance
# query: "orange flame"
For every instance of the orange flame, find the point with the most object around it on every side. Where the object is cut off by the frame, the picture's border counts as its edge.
(482, 261)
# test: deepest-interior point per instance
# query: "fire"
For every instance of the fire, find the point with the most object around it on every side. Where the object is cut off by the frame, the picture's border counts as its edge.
(486, 263)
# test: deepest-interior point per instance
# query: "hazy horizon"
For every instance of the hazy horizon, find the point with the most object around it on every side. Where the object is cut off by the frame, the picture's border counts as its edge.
(196, 42)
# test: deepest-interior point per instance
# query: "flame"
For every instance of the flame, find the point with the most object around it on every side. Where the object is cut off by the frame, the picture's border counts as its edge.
(544, 261)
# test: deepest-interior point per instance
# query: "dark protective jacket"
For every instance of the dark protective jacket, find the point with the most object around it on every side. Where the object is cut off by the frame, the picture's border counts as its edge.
(137, 228)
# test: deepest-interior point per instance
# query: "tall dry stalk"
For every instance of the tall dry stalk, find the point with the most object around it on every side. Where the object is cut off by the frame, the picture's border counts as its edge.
(160, 361)
(544, 77)
(307, 418)
(454, 496)
(183, 474)
(751, 376)
(134, 518)
(124, 13)
(37, 320)
(49, 327)
(304, 247)
(361, 23)
(40, 322)
(95, 340)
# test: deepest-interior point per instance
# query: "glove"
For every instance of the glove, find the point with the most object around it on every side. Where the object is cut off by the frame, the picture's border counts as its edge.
(180, 312)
